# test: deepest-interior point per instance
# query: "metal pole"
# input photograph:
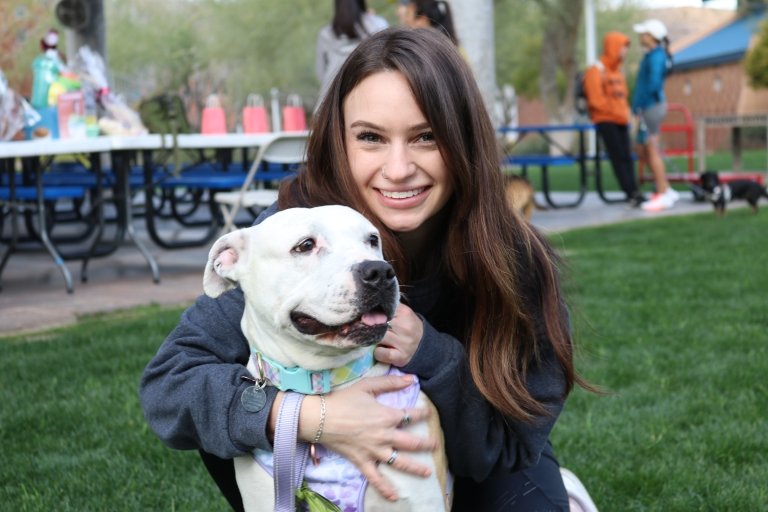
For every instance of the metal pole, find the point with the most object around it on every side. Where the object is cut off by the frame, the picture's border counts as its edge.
(591, 57)
(274, 101)
(590, 33)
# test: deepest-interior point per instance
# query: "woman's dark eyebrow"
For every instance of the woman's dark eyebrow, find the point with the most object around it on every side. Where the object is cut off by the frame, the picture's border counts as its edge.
(366, 124)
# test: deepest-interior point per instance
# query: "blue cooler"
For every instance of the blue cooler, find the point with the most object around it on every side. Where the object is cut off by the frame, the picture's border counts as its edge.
(49, 118)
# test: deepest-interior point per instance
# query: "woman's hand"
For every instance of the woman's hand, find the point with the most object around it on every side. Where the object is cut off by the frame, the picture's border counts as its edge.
(402, 339)
(365, 432)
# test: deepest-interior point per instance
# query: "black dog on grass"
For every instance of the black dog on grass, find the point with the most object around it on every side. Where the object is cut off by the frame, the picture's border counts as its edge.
(720, 194)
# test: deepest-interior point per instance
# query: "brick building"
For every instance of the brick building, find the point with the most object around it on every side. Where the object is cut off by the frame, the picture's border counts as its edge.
(709, 79)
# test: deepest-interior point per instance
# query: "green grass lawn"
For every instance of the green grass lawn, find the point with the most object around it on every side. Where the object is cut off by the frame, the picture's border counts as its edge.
(672, 322)
(672, 318)
(72, 429)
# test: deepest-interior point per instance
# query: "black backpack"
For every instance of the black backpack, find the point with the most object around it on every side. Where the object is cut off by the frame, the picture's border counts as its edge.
(165, 113)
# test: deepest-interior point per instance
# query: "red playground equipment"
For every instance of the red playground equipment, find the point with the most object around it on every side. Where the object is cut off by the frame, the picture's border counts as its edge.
(683, 123)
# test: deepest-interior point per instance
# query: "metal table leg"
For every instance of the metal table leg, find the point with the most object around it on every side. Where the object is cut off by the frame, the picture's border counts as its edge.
(123, 191)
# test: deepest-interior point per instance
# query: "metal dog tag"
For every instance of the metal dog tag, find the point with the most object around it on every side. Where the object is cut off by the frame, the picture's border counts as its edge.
(253, 399)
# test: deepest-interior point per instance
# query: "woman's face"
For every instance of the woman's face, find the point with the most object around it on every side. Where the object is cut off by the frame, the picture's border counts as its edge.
(647, 40)
(409, 18)
(392, 153)
(406, 14)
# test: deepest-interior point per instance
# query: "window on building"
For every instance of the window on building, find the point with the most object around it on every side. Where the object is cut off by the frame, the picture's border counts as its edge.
(687, 88)
(717, 84)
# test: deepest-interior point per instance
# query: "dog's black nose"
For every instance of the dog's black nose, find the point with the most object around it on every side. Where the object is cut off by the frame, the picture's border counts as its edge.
(374, 273)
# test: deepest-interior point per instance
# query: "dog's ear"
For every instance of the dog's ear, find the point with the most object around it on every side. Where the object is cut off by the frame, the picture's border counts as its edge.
(225, 259)
(708, 180)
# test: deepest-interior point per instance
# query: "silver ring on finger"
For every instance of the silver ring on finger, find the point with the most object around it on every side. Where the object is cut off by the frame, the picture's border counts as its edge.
(392, 458)
(406, 418)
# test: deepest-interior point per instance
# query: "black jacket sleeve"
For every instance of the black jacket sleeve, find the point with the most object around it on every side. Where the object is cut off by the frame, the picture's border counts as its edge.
(480, 442)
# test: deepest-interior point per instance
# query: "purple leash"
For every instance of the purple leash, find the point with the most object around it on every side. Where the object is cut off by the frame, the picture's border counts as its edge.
(290, 455)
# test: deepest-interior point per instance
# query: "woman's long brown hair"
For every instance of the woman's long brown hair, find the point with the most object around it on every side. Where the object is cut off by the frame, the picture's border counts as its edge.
(508, 271)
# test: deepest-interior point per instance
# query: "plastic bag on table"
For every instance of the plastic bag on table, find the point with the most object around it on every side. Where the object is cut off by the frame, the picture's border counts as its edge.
(116, 118)
(119, 118)
(90, 66)
(15, 112)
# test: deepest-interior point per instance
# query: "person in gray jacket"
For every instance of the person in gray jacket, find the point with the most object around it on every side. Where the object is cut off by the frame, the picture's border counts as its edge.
(404, 138)
(352, 22)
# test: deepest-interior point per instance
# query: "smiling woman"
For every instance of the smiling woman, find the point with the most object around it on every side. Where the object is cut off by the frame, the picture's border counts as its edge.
(403, 137)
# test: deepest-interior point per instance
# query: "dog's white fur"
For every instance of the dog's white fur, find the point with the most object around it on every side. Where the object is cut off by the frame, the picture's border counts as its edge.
(301, 260)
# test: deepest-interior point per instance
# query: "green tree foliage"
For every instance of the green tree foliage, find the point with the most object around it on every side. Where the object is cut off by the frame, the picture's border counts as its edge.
(519, 27)
(229, 47)
(563, 18)
(22, 24)
(756, 62)
(152, 45)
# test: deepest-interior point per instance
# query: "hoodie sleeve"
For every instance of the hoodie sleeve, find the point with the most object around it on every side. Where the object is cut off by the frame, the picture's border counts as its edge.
(190, 391)
(479, 440)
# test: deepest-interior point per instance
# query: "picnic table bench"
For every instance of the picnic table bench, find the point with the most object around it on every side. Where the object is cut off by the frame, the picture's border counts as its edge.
(561, 156)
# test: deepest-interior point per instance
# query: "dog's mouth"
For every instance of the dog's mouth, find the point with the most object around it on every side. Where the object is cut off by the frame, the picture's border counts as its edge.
(366, 329)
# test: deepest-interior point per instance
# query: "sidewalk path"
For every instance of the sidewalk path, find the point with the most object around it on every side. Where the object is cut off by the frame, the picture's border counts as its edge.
(34, 298)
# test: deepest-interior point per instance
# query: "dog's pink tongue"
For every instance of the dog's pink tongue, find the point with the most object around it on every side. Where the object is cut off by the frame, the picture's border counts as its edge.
(374, 318)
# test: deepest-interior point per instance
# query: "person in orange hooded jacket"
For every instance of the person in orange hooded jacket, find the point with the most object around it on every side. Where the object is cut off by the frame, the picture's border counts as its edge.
(606, 91)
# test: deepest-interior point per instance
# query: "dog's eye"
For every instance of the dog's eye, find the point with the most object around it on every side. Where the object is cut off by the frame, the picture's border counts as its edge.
(305, 245)
(373, 239)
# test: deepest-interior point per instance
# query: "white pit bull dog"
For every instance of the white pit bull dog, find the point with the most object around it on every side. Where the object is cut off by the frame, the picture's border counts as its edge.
(318, 297)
